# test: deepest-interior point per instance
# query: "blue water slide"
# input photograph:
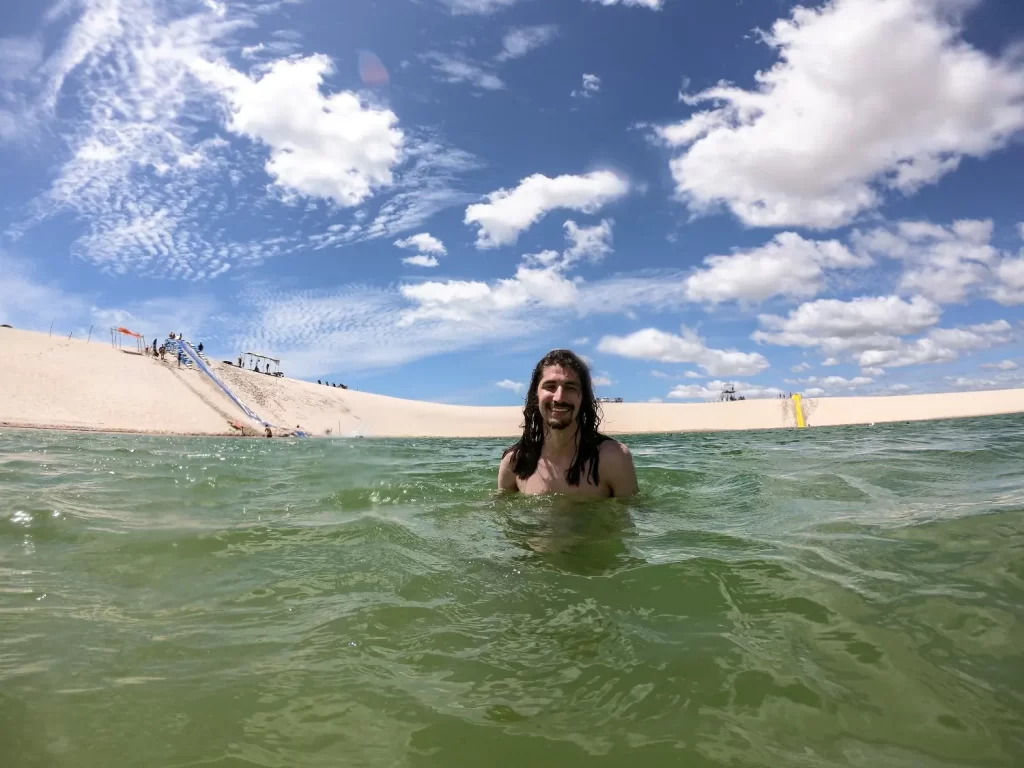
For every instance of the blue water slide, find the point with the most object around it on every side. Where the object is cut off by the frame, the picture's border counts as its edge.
(189, 352)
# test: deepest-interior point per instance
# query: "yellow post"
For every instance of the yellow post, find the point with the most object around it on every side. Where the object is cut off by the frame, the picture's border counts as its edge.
(799, 408)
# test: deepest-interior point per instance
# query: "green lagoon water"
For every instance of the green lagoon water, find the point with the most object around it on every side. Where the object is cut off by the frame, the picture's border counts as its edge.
(836, 597)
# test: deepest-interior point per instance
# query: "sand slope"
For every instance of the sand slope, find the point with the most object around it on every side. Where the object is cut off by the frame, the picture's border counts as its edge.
(60, 383)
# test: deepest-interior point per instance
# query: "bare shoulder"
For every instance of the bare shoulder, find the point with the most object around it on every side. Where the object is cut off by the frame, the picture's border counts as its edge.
(617, 468)
(613, 448)
(507, 477)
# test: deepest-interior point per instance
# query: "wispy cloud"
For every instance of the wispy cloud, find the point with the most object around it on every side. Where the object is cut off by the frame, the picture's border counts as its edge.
(147, 181)
(519, 41)
(453, 68)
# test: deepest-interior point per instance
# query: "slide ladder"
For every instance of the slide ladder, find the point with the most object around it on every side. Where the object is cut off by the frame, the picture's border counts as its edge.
(201, 364)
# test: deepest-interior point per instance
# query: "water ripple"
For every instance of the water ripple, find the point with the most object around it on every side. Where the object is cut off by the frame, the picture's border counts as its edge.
(838, 597)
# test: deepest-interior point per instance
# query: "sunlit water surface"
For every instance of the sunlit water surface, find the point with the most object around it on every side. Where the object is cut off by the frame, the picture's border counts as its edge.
(834, 597)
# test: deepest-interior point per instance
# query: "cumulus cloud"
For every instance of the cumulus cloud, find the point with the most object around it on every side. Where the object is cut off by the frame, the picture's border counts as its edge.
(146, 176)
(508, 213)
(423, 242)
(459, 69)
(867, 96)
(944, 264)
(421, 260)
(591, 87)
(712, 390)
(467, 301)
(836, 326)
(1002, 365)
(592, 243)
(941, 345)
(519, 41)
(1009, 289)
(481, 7)
(871, 331)
(787, 266)
(835, 383)
(654, 5)
(514, 386)
(602, 381)
(655, 345)
(332, 146)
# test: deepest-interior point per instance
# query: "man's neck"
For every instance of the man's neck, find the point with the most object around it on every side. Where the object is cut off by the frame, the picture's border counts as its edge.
(559, 444)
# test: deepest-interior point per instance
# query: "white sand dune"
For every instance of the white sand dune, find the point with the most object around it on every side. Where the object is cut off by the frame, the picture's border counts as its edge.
(68, 384)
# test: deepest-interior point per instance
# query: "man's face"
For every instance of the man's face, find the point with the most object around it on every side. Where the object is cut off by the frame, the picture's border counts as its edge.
(559, 395)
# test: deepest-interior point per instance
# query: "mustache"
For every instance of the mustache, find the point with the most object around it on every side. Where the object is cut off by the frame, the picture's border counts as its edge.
(561, 404)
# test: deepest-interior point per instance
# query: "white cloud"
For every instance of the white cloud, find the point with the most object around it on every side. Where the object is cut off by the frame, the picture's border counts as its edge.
(591, 87)
(354, 328)
(582, 341)
(273, 49)
(866, 96)
(654, 5)
(944, 264)
(712, 390)
(871, 331)
(332, 146)
(832, 383)
(509, 212)
(519, 41)
(592, 243)
(829, 361)
(602, 381)
(423, 242)
(514, 386)
(836, 326)
(1010, 288)
(146, 178)
(652, 344)
(655, 400)
(1002, 365)
(788, 266)
(458, 69)
(461, 301)
(421, 260)
(801, 367)
(477, 6)
(660, 375)
(1003, 380)
(941, 345)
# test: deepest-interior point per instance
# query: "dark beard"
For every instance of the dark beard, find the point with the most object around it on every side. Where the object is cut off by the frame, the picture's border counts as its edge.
(553, 421)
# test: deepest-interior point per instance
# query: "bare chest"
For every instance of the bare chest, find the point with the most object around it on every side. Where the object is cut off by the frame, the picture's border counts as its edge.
(550, 478)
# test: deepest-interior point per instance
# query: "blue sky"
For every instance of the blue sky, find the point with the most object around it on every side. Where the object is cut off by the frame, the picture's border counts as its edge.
(822, 197)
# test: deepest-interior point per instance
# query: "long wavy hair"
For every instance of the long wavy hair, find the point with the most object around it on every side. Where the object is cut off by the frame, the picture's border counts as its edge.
(526, 452)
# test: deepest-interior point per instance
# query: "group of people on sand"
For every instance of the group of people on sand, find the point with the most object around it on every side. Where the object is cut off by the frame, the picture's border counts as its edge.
(328, 384)
(255, 367)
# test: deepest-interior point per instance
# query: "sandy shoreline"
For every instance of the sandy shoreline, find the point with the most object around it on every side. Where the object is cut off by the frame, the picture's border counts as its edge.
(56, 383)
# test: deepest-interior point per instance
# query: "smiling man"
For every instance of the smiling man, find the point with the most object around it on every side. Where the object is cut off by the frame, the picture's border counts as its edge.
(561, 450)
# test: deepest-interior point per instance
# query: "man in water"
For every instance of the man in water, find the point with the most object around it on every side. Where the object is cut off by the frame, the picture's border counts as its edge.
(561, 450)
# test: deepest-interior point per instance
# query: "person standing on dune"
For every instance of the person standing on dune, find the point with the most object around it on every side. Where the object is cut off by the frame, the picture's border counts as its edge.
(561, 449)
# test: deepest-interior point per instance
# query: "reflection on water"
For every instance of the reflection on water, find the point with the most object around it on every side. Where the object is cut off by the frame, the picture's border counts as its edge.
(829, 598)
